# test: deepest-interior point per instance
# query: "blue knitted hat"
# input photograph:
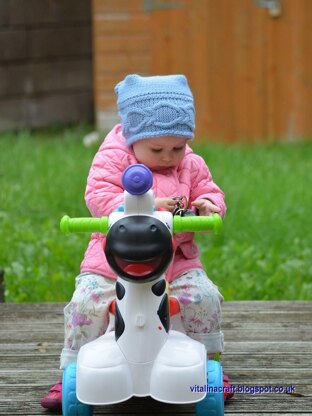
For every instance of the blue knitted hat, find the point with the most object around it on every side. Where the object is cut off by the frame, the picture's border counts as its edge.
(155, 106)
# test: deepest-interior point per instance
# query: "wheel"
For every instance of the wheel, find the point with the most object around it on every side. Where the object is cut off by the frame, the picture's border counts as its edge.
(213, 403)
(71, 406)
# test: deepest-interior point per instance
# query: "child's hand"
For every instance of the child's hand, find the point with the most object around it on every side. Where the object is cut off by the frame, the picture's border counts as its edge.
(167, 203)
(205, 207)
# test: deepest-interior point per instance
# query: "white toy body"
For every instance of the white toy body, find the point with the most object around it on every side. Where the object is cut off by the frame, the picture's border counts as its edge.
(165, 369)
(145, 360)
(140, 354)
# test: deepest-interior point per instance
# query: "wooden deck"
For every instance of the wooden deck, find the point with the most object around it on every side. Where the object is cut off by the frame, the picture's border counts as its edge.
(267, 343)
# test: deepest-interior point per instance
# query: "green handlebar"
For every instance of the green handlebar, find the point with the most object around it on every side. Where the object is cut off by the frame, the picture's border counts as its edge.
(197, 223)
(90, 225)
(180, 224)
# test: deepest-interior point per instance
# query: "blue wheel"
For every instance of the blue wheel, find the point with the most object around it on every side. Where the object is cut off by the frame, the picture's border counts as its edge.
(71, 406)
(213, 403)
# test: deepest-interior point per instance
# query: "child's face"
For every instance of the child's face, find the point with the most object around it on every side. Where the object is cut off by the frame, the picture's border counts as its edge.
(160, 152)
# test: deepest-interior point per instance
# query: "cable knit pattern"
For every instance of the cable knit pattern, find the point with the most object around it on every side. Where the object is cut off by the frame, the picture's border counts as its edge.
(104, 193)
(155, 106)
(162, 116)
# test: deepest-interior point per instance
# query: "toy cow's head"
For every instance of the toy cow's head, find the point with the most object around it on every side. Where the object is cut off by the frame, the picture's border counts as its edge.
(139, 248)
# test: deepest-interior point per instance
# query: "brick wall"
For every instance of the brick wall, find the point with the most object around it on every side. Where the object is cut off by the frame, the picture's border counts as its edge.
(45, 62)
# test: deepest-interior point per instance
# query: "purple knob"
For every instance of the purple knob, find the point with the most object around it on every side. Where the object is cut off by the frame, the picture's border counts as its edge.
(137, 179)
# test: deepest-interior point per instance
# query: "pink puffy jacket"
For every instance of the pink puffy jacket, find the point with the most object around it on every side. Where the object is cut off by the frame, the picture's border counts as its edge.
(104, 194)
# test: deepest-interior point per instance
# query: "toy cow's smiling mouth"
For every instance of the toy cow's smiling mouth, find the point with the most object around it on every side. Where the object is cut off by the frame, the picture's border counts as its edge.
(139, 248)
(138, 269)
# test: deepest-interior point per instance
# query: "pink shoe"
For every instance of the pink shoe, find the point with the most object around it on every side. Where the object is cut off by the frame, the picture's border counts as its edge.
(53, 400)
(227, 385)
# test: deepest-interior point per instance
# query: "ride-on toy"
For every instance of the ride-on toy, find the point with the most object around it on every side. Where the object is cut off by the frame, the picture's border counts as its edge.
(143, 356)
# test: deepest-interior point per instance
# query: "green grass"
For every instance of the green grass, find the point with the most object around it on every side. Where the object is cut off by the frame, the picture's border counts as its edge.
(264, 251)
(43, 176)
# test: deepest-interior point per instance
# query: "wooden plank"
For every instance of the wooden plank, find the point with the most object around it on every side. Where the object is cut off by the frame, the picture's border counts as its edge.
(272, 334)
(255, 84)
(180, 44)
(119, 44)
(31, 347)
(264, 316)
(294, 67)
(260, 363)
(200, 68)
(266, 329)
(275, 336)
(148, 406)
(247, 64)
(231, 347)
(288, 69)
(108, 23)
(107, 81)
(28, 370)
(123, 6)
(263, 309)
(161, 37)
(268, 306)
(268, 347)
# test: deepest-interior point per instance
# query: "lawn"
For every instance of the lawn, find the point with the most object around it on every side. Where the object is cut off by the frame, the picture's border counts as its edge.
(264, 251)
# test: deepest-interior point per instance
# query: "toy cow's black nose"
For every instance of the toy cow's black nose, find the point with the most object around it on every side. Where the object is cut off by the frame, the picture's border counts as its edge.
(139, 248)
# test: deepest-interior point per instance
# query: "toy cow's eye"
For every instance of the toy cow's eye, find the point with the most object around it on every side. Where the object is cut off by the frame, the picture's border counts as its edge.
(122, 228)
(153, 228)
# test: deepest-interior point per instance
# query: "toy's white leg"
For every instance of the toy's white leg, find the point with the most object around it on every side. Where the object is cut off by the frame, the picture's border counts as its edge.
(180, 365)
(141, 375)
(143, 333)
(103, 374)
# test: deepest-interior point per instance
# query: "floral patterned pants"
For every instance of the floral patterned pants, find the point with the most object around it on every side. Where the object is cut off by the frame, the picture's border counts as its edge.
(87, 314)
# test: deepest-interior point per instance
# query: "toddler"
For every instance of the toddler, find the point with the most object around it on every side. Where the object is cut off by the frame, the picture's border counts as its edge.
(157, 122)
